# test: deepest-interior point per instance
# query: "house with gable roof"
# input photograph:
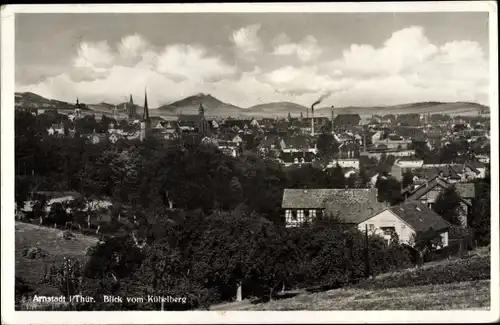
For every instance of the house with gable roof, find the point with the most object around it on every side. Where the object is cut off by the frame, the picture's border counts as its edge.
(406, 220)
(429, 192)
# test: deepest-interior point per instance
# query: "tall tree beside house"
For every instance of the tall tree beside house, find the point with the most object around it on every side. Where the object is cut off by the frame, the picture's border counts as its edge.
(407, 178)
(336, 177)
(389, 190)
(421, 149)
(448, 205)
(327, 145)
(307, 177)
(448, 153)
(426, 242)
(362, 179)
(350, 181)
(481, 214)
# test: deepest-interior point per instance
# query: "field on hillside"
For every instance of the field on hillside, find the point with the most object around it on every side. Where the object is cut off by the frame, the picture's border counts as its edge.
(29, 235)
(451, 296)
(454, 284)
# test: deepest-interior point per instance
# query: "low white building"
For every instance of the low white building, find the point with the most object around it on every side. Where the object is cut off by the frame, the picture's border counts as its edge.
(344, 163)
(483, 158)
(409, 163)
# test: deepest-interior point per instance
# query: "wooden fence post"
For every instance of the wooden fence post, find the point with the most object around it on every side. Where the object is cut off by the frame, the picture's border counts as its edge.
(239, 296)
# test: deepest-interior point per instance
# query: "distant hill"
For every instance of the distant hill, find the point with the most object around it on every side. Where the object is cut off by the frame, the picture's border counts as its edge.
(457, 108)
(277, 108)
(216, 107)
(32, 100)
(190, 105)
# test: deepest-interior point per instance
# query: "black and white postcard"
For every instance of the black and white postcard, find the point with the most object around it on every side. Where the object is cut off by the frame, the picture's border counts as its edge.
(248, 163)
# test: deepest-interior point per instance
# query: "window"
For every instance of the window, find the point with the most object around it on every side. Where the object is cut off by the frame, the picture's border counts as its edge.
(300, 215)
(387, 230)
(371, 226)
(294, 215)
(312, 214)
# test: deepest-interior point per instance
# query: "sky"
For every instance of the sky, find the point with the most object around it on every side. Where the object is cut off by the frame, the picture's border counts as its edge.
(354, 59)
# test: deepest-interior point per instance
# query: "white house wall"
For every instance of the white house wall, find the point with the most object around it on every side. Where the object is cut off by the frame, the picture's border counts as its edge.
(388, 219)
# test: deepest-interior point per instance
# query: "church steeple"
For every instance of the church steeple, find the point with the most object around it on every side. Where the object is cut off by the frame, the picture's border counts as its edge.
(131, 101)
(201, 110)
(145, 115)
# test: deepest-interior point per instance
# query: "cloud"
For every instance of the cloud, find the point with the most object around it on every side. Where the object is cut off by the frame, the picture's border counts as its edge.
(306, 50)
(305, 80)
(247, 40)
(192, 62)
(407, 67)
(98, 54)
(132, 46)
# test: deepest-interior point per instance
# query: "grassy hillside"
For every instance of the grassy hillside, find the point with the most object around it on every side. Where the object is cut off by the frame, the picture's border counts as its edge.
(461, 295)
(437, 286)
(29, 235)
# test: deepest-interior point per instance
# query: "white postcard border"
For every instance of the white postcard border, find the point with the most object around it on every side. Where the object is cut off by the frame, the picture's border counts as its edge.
(9, 316)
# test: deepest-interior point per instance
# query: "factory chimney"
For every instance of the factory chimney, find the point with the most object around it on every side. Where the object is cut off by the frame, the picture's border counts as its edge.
(333, 129)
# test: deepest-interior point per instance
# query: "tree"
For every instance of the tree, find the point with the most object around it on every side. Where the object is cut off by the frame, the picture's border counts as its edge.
(336, 177)
(225, 256)
(389, 190)
(362, 179)
(111, 265)
(481, 214)
(425, 242)
(57, 214)
(448, 205)
(407, 178)
(421, 148)
(327, 145)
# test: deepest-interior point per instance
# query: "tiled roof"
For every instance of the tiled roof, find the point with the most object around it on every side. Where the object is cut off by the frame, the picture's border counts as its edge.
(298, 142)
(317, 198)
(239, 123)
(350, 205)
(474, 165)
(465, 190)
(184, 119)
(419, 216)
(448, 171)
(347, 119)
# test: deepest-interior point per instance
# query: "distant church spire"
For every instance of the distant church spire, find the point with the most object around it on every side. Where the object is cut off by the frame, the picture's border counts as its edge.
(201, 110)
(145, 115)
(77, 101)
(131, 101)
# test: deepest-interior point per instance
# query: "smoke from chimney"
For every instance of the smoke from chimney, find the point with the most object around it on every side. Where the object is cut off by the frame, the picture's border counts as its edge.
(321, 98)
